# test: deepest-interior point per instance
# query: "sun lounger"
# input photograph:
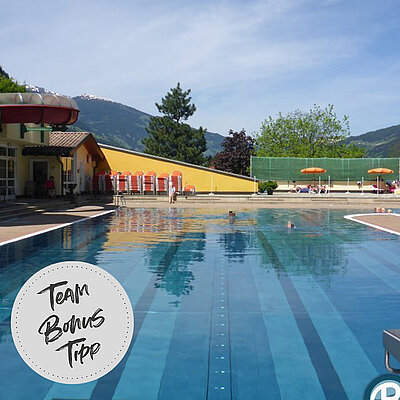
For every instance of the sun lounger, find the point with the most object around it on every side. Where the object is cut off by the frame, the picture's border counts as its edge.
(176, 178)
(162, 183)
(149, 182)
(391, 343)
(189, 190)
(123, 182)
(137, 182)
(376, 189)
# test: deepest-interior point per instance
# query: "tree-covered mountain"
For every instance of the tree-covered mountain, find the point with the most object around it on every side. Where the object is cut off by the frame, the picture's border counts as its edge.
(112, 123)
(120, 125)
(116, 124)
(380, 143)
(4, 73)
(123, 126)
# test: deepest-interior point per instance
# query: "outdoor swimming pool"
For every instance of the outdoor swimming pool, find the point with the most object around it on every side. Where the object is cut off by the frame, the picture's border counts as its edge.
(249, 310)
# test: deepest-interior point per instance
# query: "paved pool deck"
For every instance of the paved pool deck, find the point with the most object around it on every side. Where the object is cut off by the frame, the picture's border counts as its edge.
(250, 202)
(382, 221)
(18, 228)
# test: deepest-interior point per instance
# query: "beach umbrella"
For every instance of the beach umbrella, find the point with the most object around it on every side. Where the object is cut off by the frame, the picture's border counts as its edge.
(313, 170)
(379, 172)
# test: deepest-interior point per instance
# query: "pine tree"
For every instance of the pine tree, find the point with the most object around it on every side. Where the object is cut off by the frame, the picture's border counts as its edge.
(169, 137)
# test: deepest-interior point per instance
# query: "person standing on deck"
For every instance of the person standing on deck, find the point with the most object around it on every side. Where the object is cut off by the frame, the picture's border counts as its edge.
(50, 187)
(171, 192)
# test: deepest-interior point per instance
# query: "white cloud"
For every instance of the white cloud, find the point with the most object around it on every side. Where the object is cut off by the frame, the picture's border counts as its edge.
(243, 60)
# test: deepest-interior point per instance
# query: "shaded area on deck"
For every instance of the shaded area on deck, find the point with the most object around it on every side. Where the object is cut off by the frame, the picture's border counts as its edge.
(37, 223)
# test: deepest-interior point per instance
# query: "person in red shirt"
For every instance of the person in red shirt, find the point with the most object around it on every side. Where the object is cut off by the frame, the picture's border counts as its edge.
(51, 187)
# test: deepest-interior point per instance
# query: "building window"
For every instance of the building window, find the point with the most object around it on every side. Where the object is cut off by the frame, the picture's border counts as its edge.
(68, 170)
(7, 172)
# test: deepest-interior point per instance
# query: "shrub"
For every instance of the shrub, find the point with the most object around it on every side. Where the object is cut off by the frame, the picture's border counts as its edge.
(267, 186)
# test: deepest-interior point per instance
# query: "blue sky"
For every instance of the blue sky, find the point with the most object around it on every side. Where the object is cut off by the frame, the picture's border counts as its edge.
(243, 60)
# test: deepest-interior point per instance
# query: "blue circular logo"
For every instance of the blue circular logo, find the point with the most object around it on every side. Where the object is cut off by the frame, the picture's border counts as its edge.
(385, 387)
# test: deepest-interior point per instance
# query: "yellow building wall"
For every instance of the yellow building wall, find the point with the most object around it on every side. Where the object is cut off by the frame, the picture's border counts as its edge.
(203, 180)
(24, 172)
(86, 175)
(10, 134)
(55, 170)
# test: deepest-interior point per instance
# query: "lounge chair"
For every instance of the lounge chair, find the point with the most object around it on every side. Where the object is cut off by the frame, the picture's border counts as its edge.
(322, 189)
(391, 343)
(149, 182)
(376, 189)
(189, 190)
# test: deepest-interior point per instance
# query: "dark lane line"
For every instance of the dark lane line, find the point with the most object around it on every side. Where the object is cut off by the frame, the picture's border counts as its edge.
(386, 308)
(106, 386)
(327, 375)
(377, 257)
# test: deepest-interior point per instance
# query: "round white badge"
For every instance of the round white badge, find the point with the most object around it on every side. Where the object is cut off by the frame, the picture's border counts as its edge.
(72, 322)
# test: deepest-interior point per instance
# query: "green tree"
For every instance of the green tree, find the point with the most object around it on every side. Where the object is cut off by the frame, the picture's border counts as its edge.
(317, 133)
(9, 85)
(170, 137)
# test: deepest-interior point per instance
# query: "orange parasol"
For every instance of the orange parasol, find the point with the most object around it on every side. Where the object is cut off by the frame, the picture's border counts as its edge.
(380, 171)
(313, 170)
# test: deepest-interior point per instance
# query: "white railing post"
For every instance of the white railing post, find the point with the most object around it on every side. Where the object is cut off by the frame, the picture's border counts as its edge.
(348, 183)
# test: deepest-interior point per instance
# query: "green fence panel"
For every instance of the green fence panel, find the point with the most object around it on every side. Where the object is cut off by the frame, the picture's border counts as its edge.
(338, 169)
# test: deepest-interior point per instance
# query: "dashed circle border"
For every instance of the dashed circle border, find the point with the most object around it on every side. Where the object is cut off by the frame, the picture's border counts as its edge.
(97, 270)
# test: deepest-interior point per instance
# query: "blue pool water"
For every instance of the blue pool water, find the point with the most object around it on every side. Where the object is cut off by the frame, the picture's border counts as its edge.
(249, 310)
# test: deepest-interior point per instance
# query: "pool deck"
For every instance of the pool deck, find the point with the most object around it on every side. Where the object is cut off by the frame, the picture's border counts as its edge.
(18, 228)
(385, 222)
(250, 202)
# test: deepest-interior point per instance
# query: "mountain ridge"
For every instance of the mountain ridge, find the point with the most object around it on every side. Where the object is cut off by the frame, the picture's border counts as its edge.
(384, 142)
(120, 125)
